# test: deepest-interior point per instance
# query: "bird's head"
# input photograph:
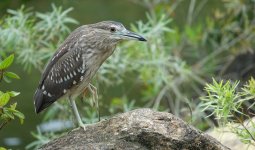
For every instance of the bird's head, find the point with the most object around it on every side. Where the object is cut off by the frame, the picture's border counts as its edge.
(114, 32)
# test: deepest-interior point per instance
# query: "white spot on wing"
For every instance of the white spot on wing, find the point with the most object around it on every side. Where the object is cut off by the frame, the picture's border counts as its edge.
(64, 91)
(81, 78)
(74, 82)
(44, 92)
(49, 95)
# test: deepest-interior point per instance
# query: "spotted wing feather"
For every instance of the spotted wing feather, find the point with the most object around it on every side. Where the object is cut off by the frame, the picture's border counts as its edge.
(61, 74)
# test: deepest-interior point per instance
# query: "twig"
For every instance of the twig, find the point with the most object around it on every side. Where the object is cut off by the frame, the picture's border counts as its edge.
(190, 12)
(174, 6)
(225, 47)
(159, 97)
(226, 66)
(4, 123)
(199, 8)
(1, 75)
(240, 121)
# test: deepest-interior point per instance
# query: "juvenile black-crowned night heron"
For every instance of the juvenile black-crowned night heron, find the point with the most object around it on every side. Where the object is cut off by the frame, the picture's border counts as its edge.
(76, 61)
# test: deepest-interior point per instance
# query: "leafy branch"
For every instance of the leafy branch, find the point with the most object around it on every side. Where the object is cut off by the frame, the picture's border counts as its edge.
(8, 111)
(226, 102)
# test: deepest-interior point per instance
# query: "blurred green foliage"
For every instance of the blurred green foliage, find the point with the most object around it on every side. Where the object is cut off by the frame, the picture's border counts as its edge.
(8, 110)
(167, 73)
(32, 35)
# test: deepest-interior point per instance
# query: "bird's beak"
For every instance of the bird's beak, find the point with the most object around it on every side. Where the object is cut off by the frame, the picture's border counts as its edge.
(132, 36)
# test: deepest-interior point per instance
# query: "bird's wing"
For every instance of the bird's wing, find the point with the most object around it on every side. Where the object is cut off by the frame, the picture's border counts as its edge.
(58, 54)
(63, 72)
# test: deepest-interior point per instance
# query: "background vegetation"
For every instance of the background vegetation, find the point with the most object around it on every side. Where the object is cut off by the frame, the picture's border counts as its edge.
(197, 63)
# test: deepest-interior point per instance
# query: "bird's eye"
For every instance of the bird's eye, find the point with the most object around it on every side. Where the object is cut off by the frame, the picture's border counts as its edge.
(112, 29)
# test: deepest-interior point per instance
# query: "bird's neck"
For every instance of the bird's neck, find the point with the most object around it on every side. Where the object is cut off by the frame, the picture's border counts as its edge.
(106, 52)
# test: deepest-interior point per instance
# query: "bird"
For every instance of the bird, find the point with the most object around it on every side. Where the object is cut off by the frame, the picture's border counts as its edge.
(74, 64)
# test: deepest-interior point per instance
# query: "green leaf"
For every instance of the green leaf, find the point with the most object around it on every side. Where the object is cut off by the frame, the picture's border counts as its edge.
(13, 93)
(2, 148)
(13, 106)
(6, 79)
(4, 117)
(11, 75)
(9, 113)
(4, 99)
(16, 113)
(7, 62)
(20, 116)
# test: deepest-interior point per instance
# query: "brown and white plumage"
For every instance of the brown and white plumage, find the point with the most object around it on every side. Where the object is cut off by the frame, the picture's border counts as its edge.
(77, 60)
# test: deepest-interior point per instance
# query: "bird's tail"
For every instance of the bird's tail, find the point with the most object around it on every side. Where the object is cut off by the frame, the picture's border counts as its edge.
(38, 100)
(42, 101)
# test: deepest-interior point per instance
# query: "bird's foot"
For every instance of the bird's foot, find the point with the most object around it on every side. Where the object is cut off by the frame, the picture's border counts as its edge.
(81, 125)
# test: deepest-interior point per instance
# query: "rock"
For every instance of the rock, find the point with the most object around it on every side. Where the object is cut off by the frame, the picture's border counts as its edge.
(140, 129)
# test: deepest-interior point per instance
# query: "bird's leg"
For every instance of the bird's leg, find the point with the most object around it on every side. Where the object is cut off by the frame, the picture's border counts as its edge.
(93, 90)
(76, 113)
